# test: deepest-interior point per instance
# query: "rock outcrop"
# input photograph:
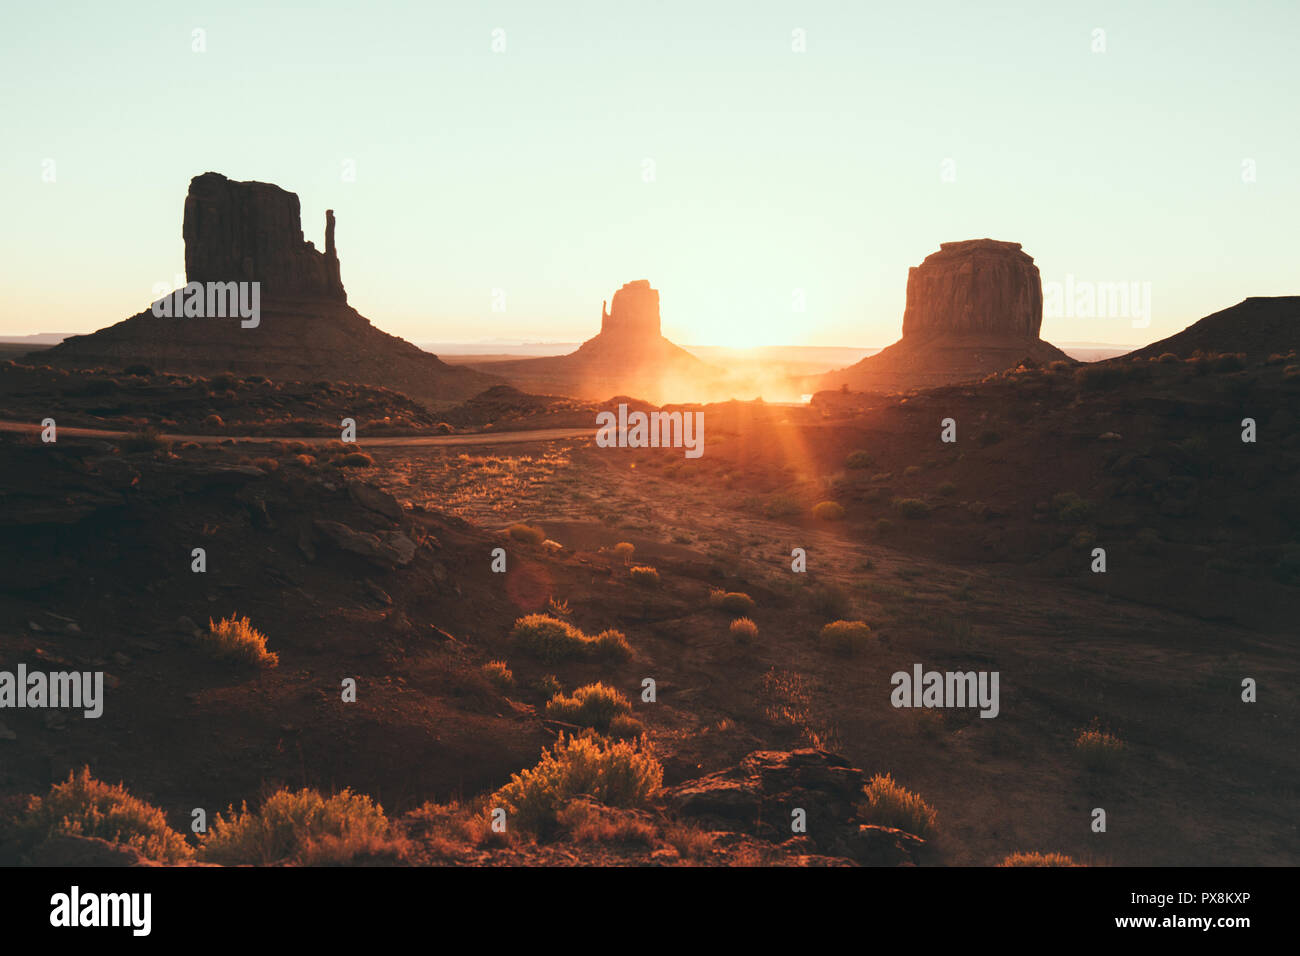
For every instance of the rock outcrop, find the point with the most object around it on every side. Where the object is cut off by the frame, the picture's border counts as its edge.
(306, 332)
(973, 308)
(634, 314)
(630, 356)
(977, 287)
(246, 232)
(758, 794)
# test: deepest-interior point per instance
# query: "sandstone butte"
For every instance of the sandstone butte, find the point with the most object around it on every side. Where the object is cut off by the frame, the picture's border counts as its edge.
(629, 356)
(252, 232)
(973, 308)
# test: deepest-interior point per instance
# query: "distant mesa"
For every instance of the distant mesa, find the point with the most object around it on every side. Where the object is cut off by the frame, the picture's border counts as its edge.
(973, 308)
(630, 356)
(252, 232)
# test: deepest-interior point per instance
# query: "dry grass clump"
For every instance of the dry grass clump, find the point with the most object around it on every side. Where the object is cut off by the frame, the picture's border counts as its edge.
(593, 705)
(690, 842)
(1099, 750)
(526, 534)
(499, 675)
(552, 639)
(302, 827)
(733, 602)
(890, 805)
(744, 630)
(235, 639)
(1039, 859)
(645, 576)
(84, 806)
(847, 637)
(613, 773)
(590, 822)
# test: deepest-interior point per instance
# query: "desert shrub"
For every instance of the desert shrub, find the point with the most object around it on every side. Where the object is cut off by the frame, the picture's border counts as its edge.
(499, 674)
(830, 600)
(645, 576)
(1099, 750)
(911, 508)
(213, 421)
(547, 684)
(526, 534)
(84, 806)
(828, 511)
(625, 727)
(1068, 506)
(1169, 358)
(223, 382)
(1229, 362)
(148, 438)
(266, 464)
(443, 428)
(611, 645)
(305, 460)
(356, 459)
(847, 637)
(302, 826)
(141, 371)
(593, 705)
(624, 550)
(1040, 859)
(884, 526)
(733, 602)
(552, 639)
(235, 639)
(1060, 365)
(889, 805)
(613, 773)
(947, 489)
(859, 460)
(744, 630)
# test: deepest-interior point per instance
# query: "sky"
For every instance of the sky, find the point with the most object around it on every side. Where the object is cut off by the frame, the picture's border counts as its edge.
(498, 169)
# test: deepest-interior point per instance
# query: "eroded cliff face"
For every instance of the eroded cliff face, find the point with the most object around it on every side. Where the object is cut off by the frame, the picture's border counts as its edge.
(973, 308)
(978, 287)
(252, 232)
(634, 312)
(307, 332)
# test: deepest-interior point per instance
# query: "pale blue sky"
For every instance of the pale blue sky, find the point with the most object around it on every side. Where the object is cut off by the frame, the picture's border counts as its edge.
(774, 170)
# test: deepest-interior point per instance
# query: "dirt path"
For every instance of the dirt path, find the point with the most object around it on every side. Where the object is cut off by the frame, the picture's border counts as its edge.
(389, 441)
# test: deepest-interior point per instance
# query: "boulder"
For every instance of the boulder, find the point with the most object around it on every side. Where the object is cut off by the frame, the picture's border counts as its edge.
(387, 549)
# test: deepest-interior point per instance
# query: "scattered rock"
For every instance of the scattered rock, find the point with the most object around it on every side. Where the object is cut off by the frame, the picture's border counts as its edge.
(368, 496)
(388, 549)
